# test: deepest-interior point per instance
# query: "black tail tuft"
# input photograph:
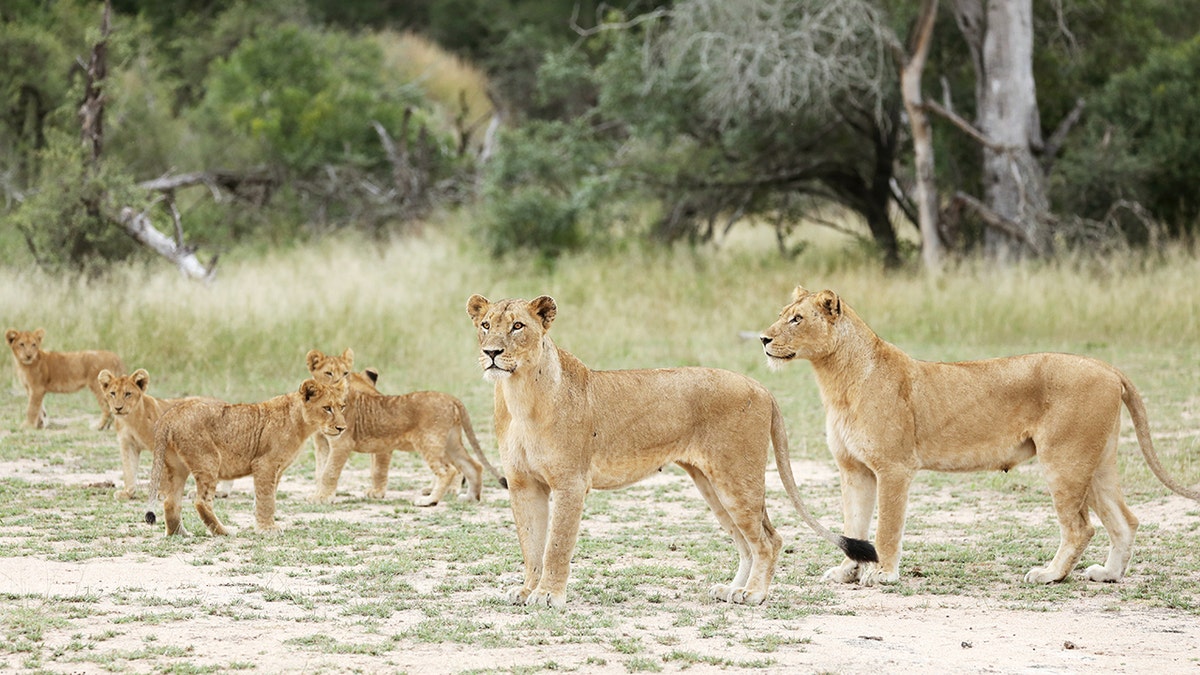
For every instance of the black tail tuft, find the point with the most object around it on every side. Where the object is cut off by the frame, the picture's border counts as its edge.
(150, 517)
(859, 550)
(504, 482)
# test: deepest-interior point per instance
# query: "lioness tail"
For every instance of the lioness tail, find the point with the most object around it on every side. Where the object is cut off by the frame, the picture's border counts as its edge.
(1141, 425)
(855, 549)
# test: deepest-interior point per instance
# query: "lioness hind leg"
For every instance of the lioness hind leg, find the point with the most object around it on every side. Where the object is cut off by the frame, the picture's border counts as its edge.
(1107, 500)
(1075, 529)
(743, 514)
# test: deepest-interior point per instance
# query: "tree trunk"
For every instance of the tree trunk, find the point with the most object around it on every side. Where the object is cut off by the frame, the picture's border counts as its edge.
(1000, 36)
(913, 65)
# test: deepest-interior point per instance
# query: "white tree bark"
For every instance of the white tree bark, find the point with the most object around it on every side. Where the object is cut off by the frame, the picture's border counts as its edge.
(1000, 36)
(139, 227)
(913, 65)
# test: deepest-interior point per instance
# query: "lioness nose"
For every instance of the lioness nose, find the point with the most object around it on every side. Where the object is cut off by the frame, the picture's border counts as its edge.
(493, 353)
(766, 340)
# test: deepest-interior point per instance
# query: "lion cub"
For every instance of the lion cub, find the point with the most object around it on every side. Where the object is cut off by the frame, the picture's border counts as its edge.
(44, 372)
(135, 412)
(213, 441)
(565, 430)
(888, 415)
(429, 422)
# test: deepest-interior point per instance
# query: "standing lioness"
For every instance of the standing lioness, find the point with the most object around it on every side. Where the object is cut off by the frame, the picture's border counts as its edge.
(888, 415)
(564, 430)
(44, 372)
(213, 441)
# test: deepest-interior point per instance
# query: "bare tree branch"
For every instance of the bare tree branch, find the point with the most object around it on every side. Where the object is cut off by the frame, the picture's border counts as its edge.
(139, 227)
(998, 222)
(967, 128)
(1056, 140)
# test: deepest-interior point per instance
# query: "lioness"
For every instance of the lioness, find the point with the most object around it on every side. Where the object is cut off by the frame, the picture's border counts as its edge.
(564, 430)
(888, 415)
(57, 372)
(429, 422)
(215, 441)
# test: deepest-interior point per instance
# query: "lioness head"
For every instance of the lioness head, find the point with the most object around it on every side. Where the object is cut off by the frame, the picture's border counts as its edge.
(805, 329)
(328, 369)
(26, 345)
(326, 404)
(510, 332)
(123, 393)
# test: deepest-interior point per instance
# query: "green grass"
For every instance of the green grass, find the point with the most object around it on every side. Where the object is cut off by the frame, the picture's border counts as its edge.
(358, 584)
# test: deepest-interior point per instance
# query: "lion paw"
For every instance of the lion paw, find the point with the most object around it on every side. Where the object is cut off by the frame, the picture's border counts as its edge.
(376, 494)
(1102, 573)
(846, 573)
(123, 495)
(1041, 575)
(425, 501)
(876, 575)
(544, 598)
(320, 498)
(516, 595)
(721, 592)
(272, 530)
(744, 596)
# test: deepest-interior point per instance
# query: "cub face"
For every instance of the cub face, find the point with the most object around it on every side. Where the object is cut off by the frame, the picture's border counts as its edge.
(328, 369)
(805, 328)
(26, 345)
(123, 393)
(510, 332)
(325, 404)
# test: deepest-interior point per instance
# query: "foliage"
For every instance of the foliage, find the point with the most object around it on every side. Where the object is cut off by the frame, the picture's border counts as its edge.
(1140, 141)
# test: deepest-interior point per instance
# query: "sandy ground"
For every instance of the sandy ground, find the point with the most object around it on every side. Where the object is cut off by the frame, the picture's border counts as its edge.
(871, 632)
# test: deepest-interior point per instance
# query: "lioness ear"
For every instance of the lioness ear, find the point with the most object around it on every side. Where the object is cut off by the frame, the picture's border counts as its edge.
(141, 378)
(104, 377)
(477, 306)
(10, 335)
(349, 356)
(830, 303)
(799, 293)
(310, 389)
(313, 356)
(544, 308)
(372, 375)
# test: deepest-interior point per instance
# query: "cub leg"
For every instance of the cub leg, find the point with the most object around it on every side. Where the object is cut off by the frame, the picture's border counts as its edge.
(380, 463)
(320, 454)
(206, 489)
(859, 487)
(130, 451)
(444, 475)
(530, 500)
(566, 512)
(470, 467)
(174, 481)
(893, 484)
(106, 416)
(35, 413)
(266, 482)
(327, 482)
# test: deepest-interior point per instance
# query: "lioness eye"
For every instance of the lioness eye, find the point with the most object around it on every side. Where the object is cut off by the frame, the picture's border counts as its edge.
(486, 325)
(796, 319)
(518, 326)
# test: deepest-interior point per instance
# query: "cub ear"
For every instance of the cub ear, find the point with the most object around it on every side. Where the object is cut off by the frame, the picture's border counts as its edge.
(39, 334)
(799, 293)
(372, 375)
(11, 335)
(311, 359)
(349, 356)
(830, 303)
(310, 390)
(544, 308)
(477, 306)
(141, 378)
(104, 377)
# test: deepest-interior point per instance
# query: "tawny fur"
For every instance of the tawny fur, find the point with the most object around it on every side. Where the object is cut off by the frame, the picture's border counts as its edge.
(43, 372)
(889, 415)
(429, 422)
(331, 369)
(216, 441)
(564, 430)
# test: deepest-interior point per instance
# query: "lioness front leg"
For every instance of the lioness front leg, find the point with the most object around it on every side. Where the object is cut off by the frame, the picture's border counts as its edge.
(893, 504)
(565, 515)
(530, 501)
(858, 505)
